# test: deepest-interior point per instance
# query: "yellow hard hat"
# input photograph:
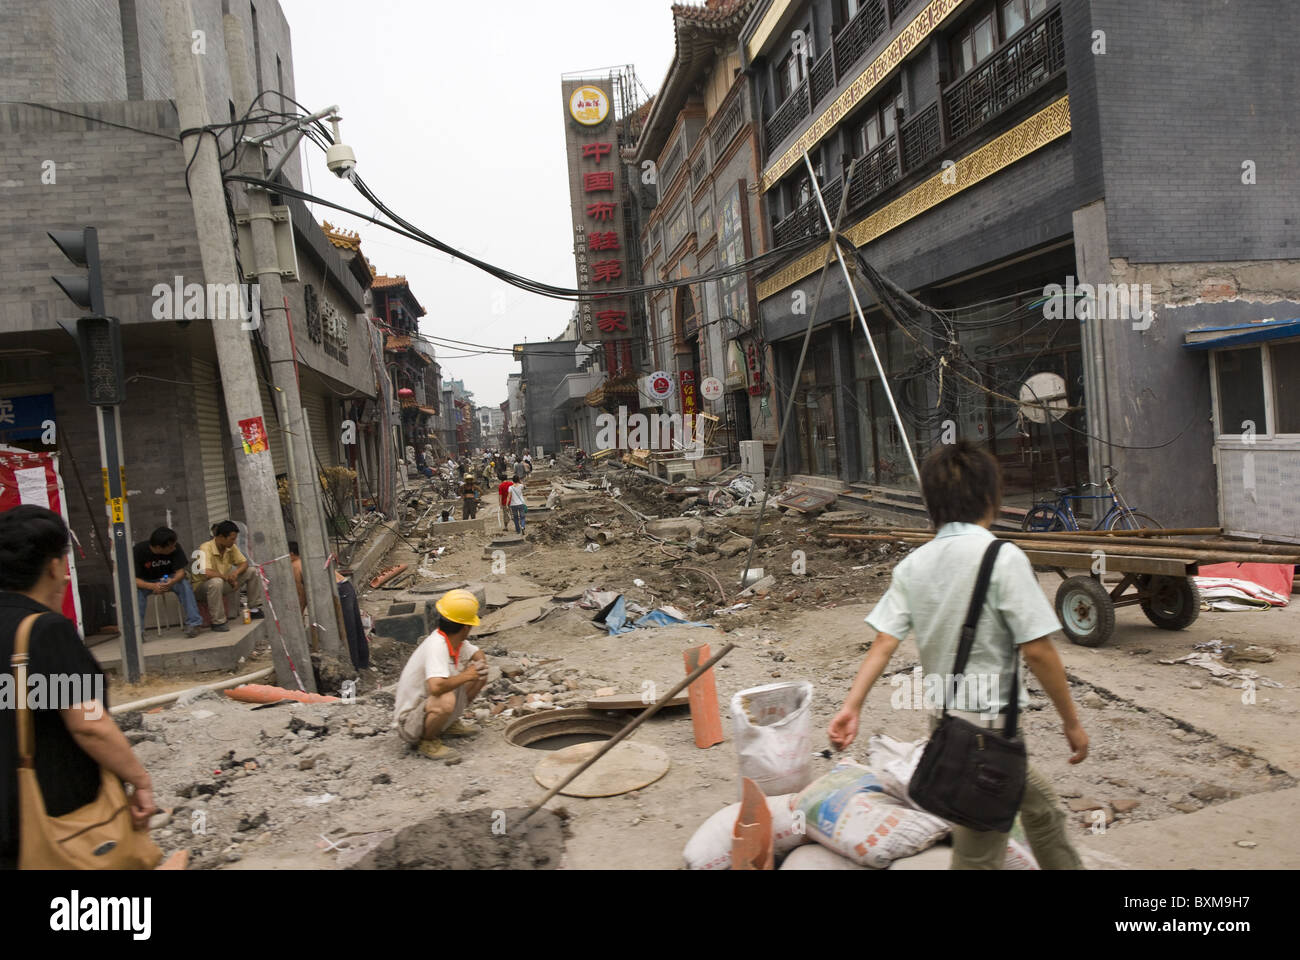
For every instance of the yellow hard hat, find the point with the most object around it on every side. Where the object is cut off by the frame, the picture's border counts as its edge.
(458, 606)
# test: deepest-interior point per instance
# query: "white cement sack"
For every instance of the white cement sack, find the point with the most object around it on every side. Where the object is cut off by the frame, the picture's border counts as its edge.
(848, 812)
(939, 857)
(773, 725)
(816, 857)
(894, 762)
(710, 847)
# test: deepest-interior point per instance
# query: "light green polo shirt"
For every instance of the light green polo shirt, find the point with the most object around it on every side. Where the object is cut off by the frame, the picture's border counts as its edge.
(930, 593)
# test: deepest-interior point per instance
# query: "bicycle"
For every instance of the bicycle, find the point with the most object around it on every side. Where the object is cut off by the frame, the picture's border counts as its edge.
(1051, 515)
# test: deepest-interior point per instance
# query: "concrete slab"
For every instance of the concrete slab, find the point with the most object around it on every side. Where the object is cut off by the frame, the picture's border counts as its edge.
(175, 653)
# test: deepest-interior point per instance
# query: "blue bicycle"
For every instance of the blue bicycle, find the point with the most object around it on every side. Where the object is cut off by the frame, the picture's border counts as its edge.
(1058, 514)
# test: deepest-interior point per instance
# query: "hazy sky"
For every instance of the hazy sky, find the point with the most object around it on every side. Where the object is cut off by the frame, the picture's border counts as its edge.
(455, 114)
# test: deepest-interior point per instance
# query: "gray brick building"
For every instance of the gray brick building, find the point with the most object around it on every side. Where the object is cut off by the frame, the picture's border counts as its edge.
(88, 137)
(1005, 146)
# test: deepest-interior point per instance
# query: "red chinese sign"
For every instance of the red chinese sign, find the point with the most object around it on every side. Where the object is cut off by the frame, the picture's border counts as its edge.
(690, 402)
(596, 185)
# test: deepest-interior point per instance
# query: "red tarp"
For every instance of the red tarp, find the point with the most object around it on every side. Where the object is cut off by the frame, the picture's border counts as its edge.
(1276, 576)
(34, 478)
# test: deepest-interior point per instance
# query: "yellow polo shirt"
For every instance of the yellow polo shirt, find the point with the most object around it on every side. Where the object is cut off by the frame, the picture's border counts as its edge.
(214, 560)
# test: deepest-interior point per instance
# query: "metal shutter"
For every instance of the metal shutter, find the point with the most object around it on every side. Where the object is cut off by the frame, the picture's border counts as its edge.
(316, 408)
(271, 417)
(207, 407)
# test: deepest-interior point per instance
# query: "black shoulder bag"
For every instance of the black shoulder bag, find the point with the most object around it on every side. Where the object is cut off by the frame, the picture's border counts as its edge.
(970, 775)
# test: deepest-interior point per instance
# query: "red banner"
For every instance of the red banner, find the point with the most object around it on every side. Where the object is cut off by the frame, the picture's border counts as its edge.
(33, 478)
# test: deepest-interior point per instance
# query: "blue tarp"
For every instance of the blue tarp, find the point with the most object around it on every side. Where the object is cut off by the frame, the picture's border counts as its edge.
(615, 619)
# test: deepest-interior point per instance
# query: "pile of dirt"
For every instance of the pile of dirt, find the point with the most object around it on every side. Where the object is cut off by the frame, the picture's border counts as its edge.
(482, 839)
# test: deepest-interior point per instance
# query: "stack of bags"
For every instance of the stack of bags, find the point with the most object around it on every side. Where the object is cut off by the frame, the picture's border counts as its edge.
(855, 817)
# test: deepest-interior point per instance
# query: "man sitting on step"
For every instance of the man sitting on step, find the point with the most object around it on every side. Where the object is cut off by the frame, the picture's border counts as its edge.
(442, 678)
(161, 566)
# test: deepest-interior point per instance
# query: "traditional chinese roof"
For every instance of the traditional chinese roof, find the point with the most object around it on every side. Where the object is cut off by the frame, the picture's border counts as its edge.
(382, 281)
(698, 32)
(341, 238)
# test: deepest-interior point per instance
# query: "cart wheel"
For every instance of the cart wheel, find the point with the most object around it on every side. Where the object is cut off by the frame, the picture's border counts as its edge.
(1086, 613)
(1171, 603)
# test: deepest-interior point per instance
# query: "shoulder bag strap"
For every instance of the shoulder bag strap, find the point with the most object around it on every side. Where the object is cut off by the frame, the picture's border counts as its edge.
(26, 732)
(973, 612)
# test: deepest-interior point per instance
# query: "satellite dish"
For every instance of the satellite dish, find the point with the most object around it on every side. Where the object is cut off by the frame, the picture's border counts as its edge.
(1043, 394)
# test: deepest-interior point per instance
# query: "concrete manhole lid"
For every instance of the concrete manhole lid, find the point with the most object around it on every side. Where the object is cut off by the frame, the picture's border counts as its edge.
(627, 767)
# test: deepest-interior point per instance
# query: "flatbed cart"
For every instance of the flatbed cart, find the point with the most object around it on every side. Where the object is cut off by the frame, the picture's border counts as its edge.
(1163, 587)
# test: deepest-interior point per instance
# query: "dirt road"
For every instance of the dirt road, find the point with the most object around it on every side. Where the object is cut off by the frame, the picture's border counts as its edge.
(1175, 755)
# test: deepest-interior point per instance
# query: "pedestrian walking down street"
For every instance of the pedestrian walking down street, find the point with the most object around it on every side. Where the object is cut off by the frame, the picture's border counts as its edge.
(518, 506)
(928, 596)
(503, 497)
(469, 494)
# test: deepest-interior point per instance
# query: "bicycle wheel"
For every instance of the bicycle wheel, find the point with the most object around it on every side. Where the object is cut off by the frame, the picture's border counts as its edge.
(1132, 520)
(1042, 518)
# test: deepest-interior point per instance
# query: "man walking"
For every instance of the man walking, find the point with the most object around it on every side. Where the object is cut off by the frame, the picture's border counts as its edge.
(442, 678)
(518, 506)
(161, 567)
(929, 594)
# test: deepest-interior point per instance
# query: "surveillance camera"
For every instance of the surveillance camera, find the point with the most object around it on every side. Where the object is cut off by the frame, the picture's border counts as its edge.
(340, 159)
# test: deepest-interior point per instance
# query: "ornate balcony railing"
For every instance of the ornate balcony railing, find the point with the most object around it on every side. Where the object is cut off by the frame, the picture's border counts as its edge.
(921, 138)
(1025, 63)
(822, 77)
(859, 34)
(807, 220)
(896, 7)
(874, 174)
(782, 123)
(729, 122)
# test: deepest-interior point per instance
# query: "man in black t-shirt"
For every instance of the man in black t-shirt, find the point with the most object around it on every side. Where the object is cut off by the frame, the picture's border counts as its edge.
(160, 566)
(74, 733)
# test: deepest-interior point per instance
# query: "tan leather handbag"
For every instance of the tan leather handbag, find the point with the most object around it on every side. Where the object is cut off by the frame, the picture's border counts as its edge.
(98, 836)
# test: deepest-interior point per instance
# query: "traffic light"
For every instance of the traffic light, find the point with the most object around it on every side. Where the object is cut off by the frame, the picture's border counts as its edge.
(82, 248)
(98, 336)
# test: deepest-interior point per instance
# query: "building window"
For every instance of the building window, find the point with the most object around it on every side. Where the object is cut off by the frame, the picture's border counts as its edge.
(878, 125)
(794, 68)
(1014, 14)
(1284, 361)
(847, 9)
(1241, 390)
(974, 43)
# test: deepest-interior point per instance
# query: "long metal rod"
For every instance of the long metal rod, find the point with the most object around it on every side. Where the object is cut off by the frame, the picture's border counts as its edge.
(623, 734)
(857, 305)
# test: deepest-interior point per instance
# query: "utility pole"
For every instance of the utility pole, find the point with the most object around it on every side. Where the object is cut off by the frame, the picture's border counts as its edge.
(99, 340)
(304, 485)
(269, 546)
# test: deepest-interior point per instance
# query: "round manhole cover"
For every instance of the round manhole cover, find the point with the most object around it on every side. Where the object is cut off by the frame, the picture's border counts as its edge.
(627, 767)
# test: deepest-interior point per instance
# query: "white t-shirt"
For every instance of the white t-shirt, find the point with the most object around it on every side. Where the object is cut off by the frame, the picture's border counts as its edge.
(517, 495)
(431, 659)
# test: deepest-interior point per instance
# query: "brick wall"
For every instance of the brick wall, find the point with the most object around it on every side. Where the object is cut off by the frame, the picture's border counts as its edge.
(1187, 92)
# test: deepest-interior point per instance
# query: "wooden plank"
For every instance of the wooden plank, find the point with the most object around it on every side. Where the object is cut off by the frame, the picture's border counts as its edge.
(1069, 560)
(631, 701)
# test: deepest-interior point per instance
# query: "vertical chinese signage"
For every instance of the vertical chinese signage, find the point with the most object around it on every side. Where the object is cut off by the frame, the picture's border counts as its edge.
(690, 401)
(596, 197)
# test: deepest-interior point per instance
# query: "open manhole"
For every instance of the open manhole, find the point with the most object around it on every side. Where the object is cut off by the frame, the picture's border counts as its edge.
(557, 729)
